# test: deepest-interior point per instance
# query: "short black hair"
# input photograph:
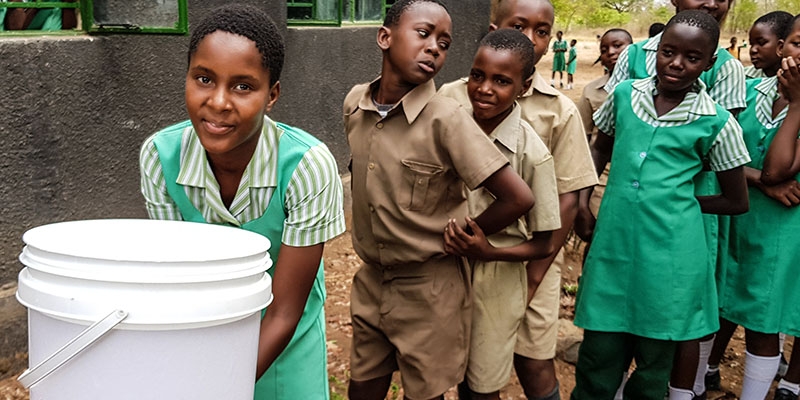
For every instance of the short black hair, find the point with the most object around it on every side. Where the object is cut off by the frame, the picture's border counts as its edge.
(777, 22)
(500, 9)
(698, 19)
(655, 29)
(400, 7)
(516, 42)
(250, 22)
(619, 30)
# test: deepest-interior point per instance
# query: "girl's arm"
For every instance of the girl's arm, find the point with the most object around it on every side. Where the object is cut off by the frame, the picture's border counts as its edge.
(734, 198)
(513, 198)
(477, 246)
(294, 275)
(782, 161)
(786, 193)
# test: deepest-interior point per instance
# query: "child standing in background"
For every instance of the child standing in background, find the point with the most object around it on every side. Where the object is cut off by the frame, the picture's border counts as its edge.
(500, 74)
(559, 61)
(413, 152)
(646, 285)
(764, 37)
(572, 63)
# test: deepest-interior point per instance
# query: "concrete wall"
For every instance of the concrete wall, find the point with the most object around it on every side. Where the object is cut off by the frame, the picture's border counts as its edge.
(74, 111)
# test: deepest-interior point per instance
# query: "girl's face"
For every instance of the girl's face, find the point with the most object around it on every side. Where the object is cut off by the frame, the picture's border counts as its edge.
(790, 47)
(611, 45)
(716, 8)
(764, 48)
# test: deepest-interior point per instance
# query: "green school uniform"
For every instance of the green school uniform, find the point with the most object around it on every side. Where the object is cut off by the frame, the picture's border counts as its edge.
(559, 63)
(573, 55)
(759, 288)
(300, 372)
(648, 270)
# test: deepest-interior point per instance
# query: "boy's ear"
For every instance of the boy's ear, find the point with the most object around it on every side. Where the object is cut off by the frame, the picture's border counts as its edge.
(492, 27)
(384, 38)
(711, 62)
(274, 93)
(525, 86)
(780, 48)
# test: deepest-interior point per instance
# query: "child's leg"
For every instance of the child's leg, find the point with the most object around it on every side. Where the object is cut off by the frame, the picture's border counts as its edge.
(653, 359)
(761, 364)
(602, 358)
(723, 336)
(790, 383)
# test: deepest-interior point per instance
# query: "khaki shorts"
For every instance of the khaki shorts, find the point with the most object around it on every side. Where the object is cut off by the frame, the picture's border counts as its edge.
(538, 333)
(499, 294)
(414, 318)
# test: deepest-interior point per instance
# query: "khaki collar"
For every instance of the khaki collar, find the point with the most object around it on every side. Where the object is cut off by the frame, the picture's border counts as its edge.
(412, 103)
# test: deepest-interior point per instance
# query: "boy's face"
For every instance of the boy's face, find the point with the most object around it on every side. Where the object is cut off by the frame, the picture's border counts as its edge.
(716, 8)
(495, 81)
(790, 47)
(534, 18)
(416, 47)
(611, 46)
(763, 47)
(228, 92)
(684, 53)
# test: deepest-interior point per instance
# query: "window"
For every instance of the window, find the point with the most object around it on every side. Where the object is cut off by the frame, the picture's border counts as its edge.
(336, 12)
(21, 17)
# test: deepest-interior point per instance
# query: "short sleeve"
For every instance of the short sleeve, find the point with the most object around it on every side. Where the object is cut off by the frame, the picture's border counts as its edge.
(605, 116)
(621, 71)
(729, 150)
(313, 200)
(545, 215)
(153, 185)
(474, 157)
(571, 154)
(730, 89)
(585, 110)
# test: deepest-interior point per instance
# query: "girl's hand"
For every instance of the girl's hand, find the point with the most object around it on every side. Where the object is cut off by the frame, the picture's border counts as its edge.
(789, 80)
(457, 241)
(786, 193)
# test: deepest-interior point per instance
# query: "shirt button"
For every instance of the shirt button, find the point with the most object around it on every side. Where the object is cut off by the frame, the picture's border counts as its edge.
(635, 184)
(761, 148)
(371, 165)
(643, 154)
(371, 209)
(379, 125)
(420, 181)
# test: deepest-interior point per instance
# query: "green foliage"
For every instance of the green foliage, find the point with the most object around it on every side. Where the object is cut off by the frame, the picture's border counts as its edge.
(791, 6)
(662, 14)
(605, 17)
(335, 386)
(741, 17)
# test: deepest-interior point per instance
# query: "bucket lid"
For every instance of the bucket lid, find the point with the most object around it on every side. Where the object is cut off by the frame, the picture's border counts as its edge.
(160, 272)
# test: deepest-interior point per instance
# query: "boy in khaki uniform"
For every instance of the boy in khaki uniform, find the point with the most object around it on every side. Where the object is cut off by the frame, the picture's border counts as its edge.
(557, 121)
(501, 73)
(412, 153)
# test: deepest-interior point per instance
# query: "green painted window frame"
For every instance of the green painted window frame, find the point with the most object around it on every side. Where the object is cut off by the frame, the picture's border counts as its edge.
(341, 18)
(88, 25)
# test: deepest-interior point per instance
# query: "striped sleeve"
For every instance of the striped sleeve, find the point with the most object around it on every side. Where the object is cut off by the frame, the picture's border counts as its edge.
(154, 189)
(314, 206)
(730, 89)
(605, 116)
(729, 150)
(620, 71)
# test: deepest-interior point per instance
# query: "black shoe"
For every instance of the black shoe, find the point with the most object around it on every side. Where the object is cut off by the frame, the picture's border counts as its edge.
(713, 381)
(784, 394)
(701, 396)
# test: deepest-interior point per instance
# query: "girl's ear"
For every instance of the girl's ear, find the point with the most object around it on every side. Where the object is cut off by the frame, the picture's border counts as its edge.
(781, 42)
(274, 93)
(384, 38)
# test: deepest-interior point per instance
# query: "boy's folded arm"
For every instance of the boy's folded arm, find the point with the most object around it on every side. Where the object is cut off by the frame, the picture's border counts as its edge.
(513, 198)
(733, 199)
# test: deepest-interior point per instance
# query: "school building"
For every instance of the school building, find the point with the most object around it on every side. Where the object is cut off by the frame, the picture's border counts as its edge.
(76, 105)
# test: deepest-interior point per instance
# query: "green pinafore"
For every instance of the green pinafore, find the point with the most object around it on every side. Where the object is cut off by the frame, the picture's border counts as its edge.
(300, 372)
(759, 288)
(647, 272)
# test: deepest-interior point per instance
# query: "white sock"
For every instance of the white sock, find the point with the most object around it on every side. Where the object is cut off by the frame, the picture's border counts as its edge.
(781, 341)
(758, 374)
(680, 394)
(792, 387)
(702, 366)
(618, 395)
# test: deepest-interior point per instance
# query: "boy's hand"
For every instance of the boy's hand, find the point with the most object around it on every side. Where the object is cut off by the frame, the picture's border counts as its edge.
(584, 224)
(786, 193)
(789, 79)
(458, 241)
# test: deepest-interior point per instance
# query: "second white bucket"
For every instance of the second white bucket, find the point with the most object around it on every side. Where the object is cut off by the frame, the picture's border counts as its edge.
(180, 303)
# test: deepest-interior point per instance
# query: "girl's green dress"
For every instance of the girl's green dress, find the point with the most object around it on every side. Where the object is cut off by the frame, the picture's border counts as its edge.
(559, 63)
(647, 272)
(572, 66)
(758, 285)
(300, 372)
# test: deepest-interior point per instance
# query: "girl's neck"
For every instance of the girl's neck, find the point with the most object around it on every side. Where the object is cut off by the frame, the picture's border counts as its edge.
(665, 101)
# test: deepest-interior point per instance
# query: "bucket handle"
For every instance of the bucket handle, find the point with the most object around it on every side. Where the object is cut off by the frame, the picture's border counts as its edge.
(85, 339)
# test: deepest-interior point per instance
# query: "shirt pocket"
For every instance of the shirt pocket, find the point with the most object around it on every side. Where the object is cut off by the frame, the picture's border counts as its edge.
(420, 184)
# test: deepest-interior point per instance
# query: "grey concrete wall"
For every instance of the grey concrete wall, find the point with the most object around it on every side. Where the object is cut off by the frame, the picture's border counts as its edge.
(74, 111)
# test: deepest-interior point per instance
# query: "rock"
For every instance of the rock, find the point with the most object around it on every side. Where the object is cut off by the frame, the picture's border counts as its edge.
(569, 340)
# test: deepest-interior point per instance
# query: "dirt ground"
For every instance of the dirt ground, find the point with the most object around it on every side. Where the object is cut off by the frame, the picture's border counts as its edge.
(341, 263)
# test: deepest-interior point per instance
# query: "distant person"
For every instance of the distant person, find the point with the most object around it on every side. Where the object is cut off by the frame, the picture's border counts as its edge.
(230, 164)
(559, 60)
(655, 29)
(45, 19)
(572, 63)
(733, 49)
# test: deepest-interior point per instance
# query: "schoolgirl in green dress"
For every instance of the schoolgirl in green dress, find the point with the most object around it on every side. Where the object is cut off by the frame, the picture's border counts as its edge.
(572, 63)
(647, 283)
(559, 61)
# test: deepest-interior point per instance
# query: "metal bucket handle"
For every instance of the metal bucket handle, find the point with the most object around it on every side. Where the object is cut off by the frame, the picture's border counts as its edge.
(75, 346)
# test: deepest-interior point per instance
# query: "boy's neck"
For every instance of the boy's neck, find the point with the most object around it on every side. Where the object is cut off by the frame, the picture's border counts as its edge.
(489, 125)
(391, 89)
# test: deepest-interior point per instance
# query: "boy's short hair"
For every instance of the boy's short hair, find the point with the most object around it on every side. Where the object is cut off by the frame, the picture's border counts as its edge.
(500, 9)
(698, 19)
(655, 29)
(782, 25)
(516, 42)
(399, 8)
(250, 22)
(619, 30)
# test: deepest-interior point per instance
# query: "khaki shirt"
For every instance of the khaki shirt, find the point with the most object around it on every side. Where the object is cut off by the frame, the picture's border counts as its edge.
(528, 155)
(409, 171)
(594, 94)
(555, 118)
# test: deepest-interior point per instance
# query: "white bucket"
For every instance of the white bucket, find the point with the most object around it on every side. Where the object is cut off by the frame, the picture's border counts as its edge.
(177, 303)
